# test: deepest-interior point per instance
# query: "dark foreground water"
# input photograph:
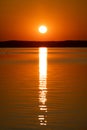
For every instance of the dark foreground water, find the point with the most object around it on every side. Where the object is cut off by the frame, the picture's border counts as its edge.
(43, 89)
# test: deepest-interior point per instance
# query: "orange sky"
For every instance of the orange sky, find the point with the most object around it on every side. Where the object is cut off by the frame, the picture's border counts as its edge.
(65, 19)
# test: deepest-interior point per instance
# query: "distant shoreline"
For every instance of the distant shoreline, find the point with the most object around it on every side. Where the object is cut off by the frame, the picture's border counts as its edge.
(24, 44)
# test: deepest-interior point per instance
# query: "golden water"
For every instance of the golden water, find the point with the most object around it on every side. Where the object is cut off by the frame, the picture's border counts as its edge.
(43, 89)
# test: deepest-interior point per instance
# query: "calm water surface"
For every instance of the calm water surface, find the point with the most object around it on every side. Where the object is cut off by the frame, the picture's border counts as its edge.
(43, 89)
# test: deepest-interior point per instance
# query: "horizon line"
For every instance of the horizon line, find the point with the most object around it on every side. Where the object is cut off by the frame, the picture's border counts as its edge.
(39, 40)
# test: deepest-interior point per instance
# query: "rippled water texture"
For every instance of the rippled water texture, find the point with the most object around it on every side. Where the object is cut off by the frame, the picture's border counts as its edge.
(43, 89)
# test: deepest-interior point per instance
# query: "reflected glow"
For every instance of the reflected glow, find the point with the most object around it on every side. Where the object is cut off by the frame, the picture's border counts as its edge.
(42, 85)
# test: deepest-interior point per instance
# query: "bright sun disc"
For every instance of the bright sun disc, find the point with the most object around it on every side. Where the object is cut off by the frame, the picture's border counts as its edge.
(42, 29)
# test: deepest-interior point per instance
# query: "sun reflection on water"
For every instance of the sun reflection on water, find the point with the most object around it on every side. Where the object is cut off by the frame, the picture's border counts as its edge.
(42, 86)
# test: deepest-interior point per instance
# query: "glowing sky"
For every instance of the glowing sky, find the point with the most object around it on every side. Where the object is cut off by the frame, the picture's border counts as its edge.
(65, 19)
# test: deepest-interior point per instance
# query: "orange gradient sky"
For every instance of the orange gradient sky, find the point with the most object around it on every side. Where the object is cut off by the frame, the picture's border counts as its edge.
(65, 19)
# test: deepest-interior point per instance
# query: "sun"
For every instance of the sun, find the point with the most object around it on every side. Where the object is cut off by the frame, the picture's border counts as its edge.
(42, 29)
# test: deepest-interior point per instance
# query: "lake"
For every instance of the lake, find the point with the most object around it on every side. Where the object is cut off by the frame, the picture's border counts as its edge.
(43, 89)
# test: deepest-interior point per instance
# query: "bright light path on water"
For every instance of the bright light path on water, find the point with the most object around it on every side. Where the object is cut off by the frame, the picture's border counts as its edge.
(42, 85)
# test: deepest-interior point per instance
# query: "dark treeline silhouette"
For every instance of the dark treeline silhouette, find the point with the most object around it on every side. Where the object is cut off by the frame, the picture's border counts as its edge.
(23, 44)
